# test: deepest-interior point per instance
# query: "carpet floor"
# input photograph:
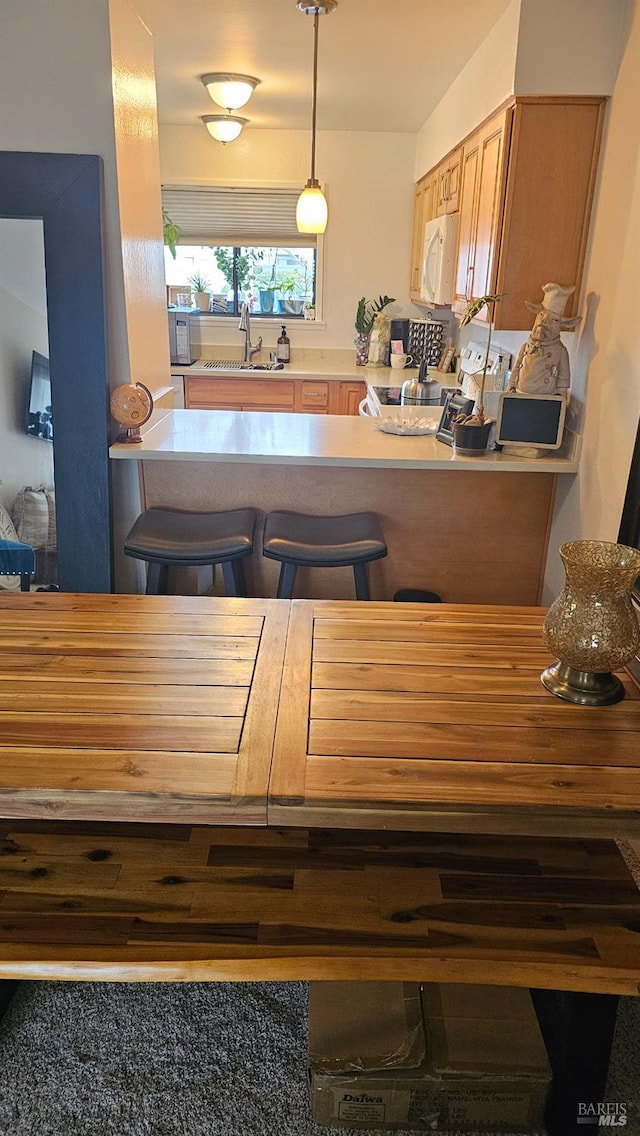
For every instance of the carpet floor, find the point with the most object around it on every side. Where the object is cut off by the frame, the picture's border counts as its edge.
(158, 1059)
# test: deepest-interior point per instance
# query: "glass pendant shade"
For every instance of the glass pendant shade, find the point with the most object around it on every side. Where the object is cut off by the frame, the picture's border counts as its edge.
(228, 90)
(224, 127)
(311, 209)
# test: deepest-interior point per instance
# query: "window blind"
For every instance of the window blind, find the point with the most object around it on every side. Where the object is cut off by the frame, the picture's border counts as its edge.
(234, 215)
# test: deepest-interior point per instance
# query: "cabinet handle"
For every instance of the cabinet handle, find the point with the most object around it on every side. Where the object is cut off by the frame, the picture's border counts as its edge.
(467, 294)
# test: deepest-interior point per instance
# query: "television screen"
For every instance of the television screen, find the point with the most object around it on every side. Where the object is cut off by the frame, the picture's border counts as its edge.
(39, 416)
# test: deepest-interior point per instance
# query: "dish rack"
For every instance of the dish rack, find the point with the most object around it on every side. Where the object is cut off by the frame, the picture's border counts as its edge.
(426, 340)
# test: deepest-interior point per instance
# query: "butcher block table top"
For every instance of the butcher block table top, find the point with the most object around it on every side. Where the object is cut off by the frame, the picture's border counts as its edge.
(133, 708)
(433, 716)
(396, 726)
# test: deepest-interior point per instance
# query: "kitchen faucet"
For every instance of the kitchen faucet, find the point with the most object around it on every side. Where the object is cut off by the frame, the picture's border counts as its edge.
(245, 325)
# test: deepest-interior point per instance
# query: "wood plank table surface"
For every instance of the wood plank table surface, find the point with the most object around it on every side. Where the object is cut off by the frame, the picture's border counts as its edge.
(138, 707)
(433, 716)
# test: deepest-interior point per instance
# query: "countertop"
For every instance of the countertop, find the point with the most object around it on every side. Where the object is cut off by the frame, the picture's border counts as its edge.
(320, 369)
(271, 438)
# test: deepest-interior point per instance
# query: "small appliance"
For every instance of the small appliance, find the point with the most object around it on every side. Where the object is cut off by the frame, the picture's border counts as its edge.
(400, 334)
(181, 347)
(422, 391)
(439, 260)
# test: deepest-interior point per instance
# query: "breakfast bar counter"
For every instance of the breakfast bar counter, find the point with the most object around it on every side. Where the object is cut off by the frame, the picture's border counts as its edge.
(474, 530)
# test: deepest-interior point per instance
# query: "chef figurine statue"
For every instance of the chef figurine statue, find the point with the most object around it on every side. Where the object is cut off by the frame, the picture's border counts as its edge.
(542, 365)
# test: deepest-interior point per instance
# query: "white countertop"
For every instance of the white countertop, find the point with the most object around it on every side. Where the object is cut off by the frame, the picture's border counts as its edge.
(271, 438)
(323, 369)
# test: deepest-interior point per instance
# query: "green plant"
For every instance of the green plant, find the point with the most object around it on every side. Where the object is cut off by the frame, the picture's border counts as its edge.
(244, 265)
(290, 284)
(367, 311)
(473, 309)
(199, 283)
(265, 277)
(171, 233)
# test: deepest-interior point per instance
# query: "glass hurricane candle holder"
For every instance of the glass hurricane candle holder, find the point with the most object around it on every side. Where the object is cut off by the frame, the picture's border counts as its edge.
(592, 627)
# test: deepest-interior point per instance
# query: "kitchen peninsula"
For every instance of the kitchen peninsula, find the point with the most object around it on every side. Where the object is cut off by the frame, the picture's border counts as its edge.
(475, 530)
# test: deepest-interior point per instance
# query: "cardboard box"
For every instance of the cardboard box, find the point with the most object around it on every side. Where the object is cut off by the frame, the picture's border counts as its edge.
(357, 1026)
(486, 1067)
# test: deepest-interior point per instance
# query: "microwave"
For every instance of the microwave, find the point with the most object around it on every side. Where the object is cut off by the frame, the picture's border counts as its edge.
(181, 346)
(438, 277)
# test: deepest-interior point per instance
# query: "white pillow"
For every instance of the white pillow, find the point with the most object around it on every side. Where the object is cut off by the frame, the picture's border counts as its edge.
(8, 532)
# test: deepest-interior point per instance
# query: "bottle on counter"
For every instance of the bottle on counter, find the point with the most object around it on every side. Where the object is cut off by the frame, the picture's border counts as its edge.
(283, 350)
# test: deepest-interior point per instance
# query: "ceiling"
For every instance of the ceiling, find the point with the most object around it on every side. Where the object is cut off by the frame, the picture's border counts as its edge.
(382, 64)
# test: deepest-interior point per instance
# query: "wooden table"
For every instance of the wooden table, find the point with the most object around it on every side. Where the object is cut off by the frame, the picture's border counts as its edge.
(138, 707)
(346, 790)
(433, 716)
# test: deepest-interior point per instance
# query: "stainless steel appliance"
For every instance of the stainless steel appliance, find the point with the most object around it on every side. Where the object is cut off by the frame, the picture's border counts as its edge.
(422, 391)
(181, 346)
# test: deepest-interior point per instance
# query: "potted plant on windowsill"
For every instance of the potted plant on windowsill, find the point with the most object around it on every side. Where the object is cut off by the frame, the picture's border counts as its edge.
(200, 286)
(471, 431)
(291, 303)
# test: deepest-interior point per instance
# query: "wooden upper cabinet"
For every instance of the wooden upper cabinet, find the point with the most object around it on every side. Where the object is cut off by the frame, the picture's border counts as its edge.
(425, 209)
(550, 181)
(524, 186)
(481, 195)
(448, 184)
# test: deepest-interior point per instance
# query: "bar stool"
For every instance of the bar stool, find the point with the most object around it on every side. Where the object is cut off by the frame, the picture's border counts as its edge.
(17, 559)
(297, 539)
(175, 538)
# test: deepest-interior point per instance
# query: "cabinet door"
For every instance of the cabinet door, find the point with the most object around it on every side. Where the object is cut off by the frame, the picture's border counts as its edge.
(213, 393)
(481, 199)
(347, 396)
(312, 396)
(469, 169)
(425, 209)
(449, 184)
(552, 169)
(416, 244)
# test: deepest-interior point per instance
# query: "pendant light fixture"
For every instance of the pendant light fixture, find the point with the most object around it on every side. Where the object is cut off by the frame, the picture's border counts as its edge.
(228, 90)
(311, 210)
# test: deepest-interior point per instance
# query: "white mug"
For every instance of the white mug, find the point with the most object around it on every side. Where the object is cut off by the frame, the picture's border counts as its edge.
(399, 361)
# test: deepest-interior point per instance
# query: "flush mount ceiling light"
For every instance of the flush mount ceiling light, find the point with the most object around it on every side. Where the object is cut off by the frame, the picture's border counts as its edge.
(228, 90)
(223, 127)
(311, 210)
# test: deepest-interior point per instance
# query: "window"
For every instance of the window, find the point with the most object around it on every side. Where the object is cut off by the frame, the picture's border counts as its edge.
(244, 247)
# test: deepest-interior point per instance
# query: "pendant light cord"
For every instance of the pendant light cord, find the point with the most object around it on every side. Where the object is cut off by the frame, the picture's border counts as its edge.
(314, 95)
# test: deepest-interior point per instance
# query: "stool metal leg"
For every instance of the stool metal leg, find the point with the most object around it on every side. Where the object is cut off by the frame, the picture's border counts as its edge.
(286, 581)
(362, 582)
(157, 579)
(233, 576)
(240, 578)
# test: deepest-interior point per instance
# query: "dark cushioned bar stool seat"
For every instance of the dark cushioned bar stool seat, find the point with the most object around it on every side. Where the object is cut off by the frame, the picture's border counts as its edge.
(297, 540)
(17, 559)
(175, 538)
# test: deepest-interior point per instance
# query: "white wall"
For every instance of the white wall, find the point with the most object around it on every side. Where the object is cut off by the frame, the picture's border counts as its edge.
(369, 185)
(23, 329)
(592, 505)
(568, 47)
(486, 81)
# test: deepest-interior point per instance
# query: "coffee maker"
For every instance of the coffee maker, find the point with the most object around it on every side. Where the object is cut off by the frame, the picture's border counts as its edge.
(400, 331)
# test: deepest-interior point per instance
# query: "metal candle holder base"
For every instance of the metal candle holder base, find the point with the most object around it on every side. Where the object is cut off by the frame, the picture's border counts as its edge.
(583, 687)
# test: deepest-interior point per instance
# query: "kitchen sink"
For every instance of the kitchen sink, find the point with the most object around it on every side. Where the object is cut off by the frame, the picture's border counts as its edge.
(234, 365)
